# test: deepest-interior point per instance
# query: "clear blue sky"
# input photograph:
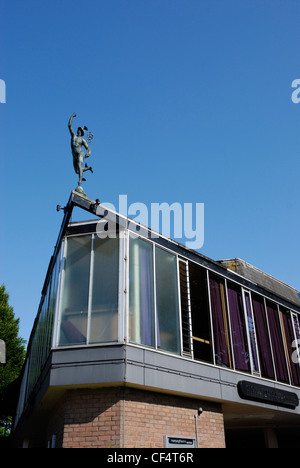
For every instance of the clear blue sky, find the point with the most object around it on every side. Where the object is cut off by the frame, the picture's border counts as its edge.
(189, 101)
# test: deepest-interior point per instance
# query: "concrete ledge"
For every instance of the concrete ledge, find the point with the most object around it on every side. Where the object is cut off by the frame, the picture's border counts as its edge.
(149, 369)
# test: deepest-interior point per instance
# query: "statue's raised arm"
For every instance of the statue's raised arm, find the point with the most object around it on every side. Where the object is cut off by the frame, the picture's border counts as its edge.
(70, 124)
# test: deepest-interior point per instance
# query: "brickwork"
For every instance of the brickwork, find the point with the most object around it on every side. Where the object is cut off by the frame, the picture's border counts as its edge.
(123, 417)
(149, 416)
(88, 418)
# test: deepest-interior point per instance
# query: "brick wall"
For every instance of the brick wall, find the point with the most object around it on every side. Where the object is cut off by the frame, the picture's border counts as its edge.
(118, 417)
(149, 416)
(88, 418)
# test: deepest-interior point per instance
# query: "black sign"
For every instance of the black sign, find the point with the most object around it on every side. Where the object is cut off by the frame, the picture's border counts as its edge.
(269, 395)
(173, 441)
(181, 441)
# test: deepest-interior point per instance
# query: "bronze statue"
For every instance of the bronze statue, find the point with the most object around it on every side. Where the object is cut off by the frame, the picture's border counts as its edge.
(77, 142)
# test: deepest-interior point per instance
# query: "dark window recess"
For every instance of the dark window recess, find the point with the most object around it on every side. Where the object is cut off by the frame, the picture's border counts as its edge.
(219, 312)
(263, 339)
(238, 328)
(185, 308)
(201, 329)
(277, 343)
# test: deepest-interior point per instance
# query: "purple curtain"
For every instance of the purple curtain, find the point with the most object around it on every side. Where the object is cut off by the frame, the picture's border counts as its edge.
(263, 341)
(238, 329)
(220, 325)
(290, 337)
(277, 344)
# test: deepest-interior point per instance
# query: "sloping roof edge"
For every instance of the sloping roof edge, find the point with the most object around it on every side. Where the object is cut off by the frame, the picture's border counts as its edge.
(260, 278)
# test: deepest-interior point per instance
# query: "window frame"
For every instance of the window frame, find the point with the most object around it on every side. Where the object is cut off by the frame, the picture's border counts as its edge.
(154, 246)
(121, 291)
(184, 353)
(253, 371)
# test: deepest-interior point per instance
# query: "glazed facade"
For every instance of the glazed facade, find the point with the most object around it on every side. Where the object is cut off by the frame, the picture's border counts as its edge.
(127, 288)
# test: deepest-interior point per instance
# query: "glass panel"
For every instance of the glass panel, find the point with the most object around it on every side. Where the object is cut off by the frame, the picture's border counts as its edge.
(201, 329)
(52, 301)
(75, 292)
(289, 337)
(296, 325)
(141, 292)
(104, 309)
(277, 343)
(263, 340)
(168, 326)
(252, 335)
(220, 322)
(238, 328)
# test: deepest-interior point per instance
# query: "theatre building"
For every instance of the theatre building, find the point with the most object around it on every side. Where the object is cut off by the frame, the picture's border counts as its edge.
(141, 342)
